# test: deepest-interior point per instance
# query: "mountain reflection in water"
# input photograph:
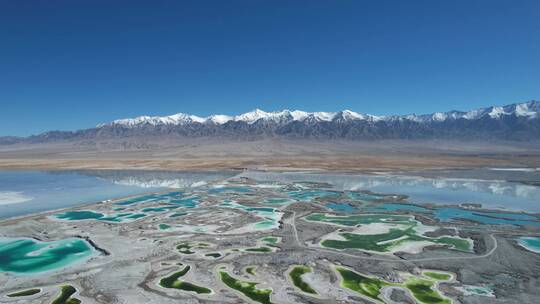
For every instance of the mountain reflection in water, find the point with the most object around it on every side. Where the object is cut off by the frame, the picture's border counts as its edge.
(422, 190)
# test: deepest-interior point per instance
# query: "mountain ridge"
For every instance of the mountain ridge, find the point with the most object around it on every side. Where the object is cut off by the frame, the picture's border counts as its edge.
(518, 121)
(526, 109)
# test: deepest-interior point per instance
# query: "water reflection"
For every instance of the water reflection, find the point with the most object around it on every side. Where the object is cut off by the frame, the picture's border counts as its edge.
(491, 194)
(158, 179)
(44, 191)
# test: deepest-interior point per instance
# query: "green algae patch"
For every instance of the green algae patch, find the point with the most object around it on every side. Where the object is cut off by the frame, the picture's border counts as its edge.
(186, 286)
(439, 276)
(24, 293)
(66, 292)
(423, 291)
(249, 289)
(173, 281)
(296, 277)
(250, 270)
(387, 241)
(369, 287)
(455, 243)
(214, 255)
(185, 248)
(270, 240)
(258, 249)
(388, 233)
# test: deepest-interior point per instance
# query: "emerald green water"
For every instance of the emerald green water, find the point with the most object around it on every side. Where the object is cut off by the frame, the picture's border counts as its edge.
(65, 296)
(530, 243)
(249, 289)
(27, 256)
(439, 276)
(384, 242)
(79, 215)
(164, 226)
(250, 270)
(185, 248)
(370, 287)
(259, 249)
(296, 276)
(173, 281)
(91, 215)
(24, 293)
(422, 289)
(271, 240)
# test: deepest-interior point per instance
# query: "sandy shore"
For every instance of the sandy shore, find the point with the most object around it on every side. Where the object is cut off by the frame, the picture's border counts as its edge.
(327, 163)
(273, 155)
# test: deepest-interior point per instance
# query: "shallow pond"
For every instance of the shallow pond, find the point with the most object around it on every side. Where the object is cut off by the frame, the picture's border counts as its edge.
(341, 207)
(26, 256)
(270, 216)
(530, 243)
(91, 215)
(451, 214)
(391, 207)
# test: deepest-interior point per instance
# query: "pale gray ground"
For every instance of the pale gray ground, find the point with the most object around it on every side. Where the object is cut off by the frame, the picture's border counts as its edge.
(138, 249)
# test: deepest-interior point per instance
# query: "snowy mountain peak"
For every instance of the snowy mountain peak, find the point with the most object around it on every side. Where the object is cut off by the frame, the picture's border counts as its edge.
(527, 110)
(219, 119)
(253, 116)
(352, 115)
(518, 121)
(439, 116)
(497, 112)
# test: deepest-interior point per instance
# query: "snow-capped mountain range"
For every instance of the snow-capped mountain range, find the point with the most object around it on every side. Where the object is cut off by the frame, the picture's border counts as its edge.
(519, 121)
(249, 117)
(527, 110)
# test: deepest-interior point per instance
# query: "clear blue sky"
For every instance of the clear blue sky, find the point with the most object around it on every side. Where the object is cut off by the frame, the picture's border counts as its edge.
(72, 64)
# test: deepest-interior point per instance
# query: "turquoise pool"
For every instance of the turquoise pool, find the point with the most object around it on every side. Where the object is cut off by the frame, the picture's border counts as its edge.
(341, 207)
(531, 243)
(27, 256)
(450, 214)
(390, 207)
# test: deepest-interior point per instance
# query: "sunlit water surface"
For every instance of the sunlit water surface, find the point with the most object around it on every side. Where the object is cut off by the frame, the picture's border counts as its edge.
(440, 191)
(26, 192)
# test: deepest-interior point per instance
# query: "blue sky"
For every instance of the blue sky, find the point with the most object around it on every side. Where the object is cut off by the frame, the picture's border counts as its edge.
(72, 64)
